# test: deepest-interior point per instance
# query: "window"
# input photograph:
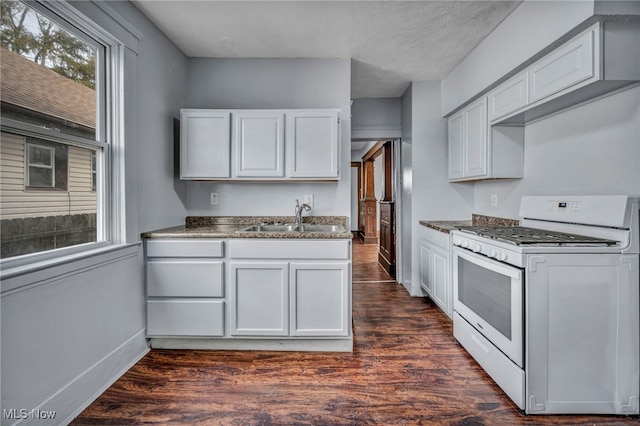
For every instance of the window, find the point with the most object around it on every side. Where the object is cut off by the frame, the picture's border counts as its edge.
(40, 166)
(59, 72)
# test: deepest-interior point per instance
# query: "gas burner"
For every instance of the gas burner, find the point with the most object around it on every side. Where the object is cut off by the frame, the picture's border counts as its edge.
(521, 236)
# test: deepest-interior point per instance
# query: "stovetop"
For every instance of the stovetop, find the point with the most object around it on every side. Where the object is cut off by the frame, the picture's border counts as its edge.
(523, 236)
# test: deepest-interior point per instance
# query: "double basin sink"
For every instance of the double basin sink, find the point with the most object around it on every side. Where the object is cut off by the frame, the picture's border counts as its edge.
(291, 227)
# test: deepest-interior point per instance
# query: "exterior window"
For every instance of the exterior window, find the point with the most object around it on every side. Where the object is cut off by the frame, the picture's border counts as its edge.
(40, 166)
(53, 140)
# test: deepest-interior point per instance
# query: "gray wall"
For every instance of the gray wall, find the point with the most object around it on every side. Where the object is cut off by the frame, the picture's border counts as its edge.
(432, 196)
(528, 29)
(375, 119)
(273, 83)
(592, 149)
(70, 330)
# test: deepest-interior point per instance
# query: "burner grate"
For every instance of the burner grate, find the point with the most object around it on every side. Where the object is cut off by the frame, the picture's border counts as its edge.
(521, 236)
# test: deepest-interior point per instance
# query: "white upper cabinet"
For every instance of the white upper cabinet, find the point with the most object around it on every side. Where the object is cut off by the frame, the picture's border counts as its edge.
(264, 144)
(478, 151)
(312, 138)
(205, 144)
(456, 134)
(259, 144)
(468, 142)
(475, 139)
(601, 59)
(566, 66)
(509, 96)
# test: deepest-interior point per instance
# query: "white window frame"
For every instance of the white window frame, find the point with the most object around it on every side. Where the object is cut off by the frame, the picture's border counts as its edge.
(109, 143)
(51, 168)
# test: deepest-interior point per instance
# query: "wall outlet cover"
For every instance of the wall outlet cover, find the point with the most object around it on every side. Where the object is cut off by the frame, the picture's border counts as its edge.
(308, 199)
(214, 199)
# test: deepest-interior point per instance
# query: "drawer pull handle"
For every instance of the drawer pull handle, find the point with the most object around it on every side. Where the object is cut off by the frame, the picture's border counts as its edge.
(482, 345)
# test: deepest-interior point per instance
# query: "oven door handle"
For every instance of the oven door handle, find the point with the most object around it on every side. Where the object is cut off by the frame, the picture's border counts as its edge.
(487, 263)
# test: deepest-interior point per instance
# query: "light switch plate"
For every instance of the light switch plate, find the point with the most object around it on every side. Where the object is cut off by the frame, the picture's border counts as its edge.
(214, 199)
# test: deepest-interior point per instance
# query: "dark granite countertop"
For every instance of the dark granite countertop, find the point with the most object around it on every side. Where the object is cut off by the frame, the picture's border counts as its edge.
(232, 226)
(447, 226)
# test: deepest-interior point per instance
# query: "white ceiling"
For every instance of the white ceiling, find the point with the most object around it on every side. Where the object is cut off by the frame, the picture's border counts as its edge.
(391, 43)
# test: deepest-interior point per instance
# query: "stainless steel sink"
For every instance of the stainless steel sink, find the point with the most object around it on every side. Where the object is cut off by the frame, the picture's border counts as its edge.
(271, 228)
(289, 227)
(312, 227)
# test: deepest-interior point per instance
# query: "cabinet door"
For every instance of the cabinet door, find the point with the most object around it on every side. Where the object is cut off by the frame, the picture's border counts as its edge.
(185, 317)
(425, 267)
(564, 67)
(320, 299)
(259, 298)
(456, 135)
(509, 96)
(205, 141)
(442, 290)
(312, 140)
(475, 139)
(259, 144)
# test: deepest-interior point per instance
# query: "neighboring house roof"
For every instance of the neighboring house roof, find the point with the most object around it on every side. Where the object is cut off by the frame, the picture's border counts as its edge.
(31, 86)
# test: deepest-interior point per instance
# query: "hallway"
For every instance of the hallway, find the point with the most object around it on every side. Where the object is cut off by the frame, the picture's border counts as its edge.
(405, 369)
(365, 266)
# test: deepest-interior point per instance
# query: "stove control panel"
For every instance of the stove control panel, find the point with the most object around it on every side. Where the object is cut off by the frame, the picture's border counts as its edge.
(487, 249)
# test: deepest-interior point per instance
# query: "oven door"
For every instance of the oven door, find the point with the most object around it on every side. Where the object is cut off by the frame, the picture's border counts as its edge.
(489, 295)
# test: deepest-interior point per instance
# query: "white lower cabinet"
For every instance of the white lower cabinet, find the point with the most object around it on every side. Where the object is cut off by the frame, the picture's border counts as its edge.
(259, 298)
(248, 293)
(309, 294)
(185, 287)
(319, 304)
(435, 267)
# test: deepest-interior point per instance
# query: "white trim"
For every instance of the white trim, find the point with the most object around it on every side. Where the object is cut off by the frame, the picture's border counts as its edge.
(106, 371)
(376, 132)
(63, 263)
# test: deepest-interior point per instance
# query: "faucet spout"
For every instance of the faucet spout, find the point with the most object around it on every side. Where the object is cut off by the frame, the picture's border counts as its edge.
(299, 209)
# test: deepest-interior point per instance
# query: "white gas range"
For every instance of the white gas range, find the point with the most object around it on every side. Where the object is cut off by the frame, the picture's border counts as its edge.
(550, 309)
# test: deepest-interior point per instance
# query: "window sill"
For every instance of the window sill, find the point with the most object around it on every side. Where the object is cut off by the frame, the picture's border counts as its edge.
(17, 277)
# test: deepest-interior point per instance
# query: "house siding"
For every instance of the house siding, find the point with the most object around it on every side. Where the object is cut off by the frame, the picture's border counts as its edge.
(16, 201)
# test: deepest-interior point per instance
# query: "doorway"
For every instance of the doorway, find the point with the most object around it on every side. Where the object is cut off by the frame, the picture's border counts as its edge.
(377, 204)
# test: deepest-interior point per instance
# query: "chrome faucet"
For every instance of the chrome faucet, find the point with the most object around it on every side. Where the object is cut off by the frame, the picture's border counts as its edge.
(299, 209)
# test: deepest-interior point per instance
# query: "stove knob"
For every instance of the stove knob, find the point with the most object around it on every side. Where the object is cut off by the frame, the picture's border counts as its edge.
(456, 241)
(464, 243)
(502, 256)
(476, 248)
(493, 253)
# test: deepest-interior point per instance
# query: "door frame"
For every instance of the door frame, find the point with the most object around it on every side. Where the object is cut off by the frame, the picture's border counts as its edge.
(358, 165)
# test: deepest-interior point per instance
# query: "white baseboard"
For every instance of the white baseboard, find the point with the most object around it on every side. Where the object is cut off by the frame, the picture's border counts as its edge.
(78, 394)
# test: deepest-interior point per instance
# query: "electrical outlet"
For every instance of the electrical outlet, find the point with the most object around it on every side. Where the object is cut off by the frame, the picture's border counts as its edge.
(494, 200)
(308, 199)
(214, 199)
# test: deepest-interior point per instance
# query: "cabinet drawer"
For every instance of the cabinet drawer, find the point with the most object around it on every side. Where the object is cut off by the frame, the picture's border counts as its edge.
(191, 247)
(289, 249)
(185, 279)
(185, 318)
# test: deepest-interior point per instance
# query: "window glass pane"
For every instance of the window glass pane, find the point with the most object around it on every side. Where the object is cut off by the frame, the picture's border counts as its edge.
(48, 74)
(48, 197)
(41, 177)
(486, 293)
(41, 156)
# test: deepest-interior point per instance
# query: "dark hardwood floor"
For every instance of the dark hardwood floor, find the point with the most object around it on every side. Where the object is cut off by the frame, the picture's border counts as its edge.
(406, 369)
